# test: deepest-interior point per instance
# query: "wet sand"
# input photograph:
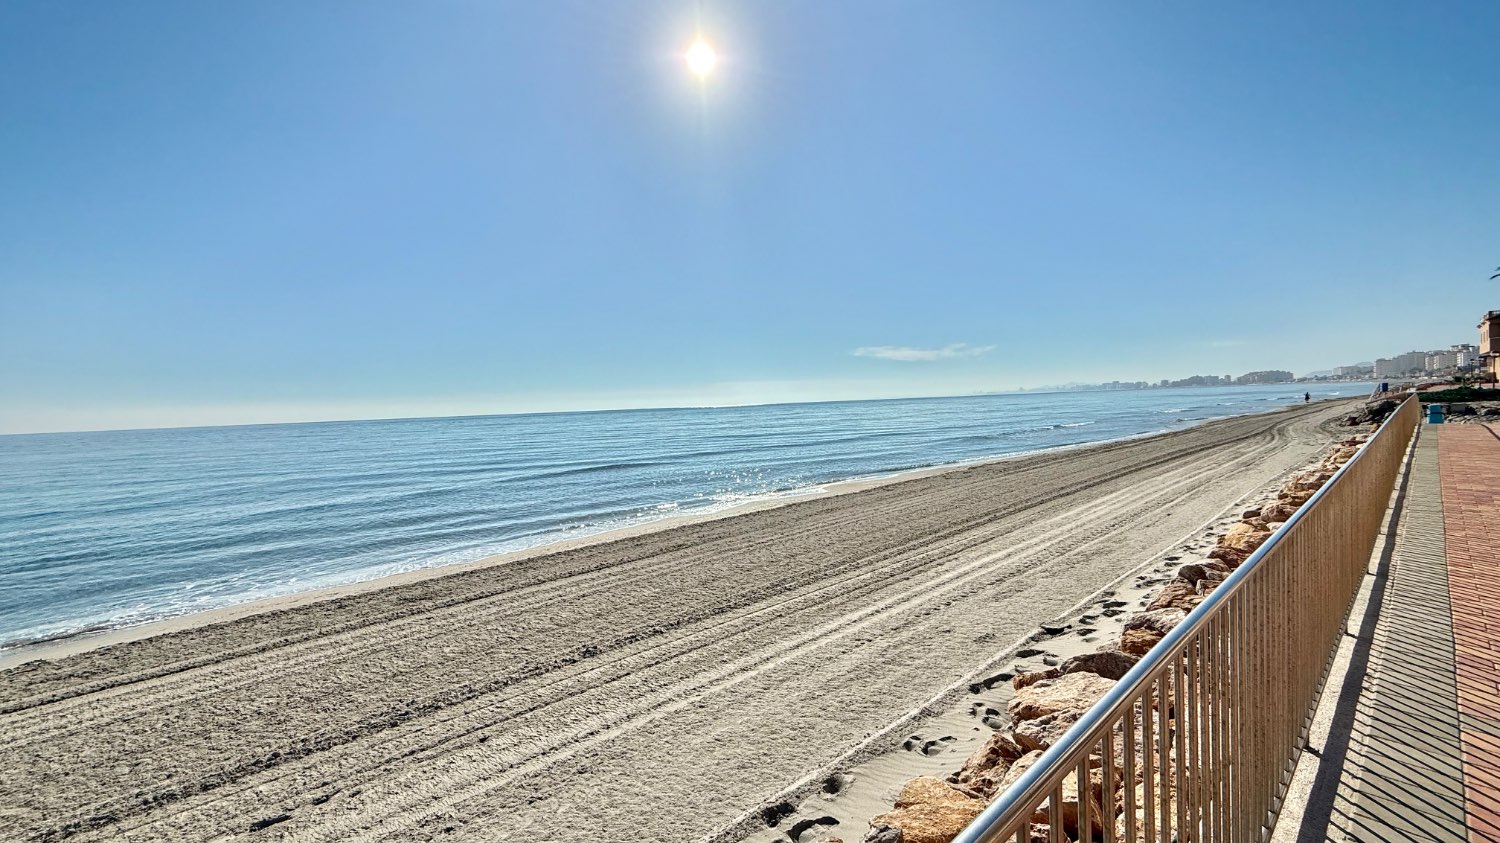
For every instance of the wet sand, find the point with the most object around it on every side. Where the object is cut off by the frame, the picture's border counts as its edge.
(661, 686)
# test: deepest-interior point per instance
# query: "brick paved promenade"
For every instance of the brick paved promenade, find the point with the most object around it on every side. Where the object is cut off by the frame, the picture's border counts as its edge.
(1469, 468)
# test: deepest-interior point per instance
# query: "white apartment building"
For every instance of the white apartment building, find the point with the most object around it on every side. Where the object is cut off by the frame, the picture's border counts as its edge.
(1438, 361)
(1401, 364)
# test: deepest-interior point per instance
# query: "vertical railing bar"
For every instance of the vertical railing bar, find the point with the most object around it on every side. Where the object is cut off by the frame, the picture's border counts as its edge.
(1253, 714)
(1283, 631)
(1244, 736)
(1221, 724)
(1275, 693)
(1231, 745)
(1085, 796)
(1164, 794)
(1237, 723)
(1107, 790)
(1187, 727)
(1184, 792)
(1217, 751)
(1200, 768)
(1054, 816)
(1293, 703)
(1266, 670)
(1148, 757)
(1207, 769)
(1130, 744)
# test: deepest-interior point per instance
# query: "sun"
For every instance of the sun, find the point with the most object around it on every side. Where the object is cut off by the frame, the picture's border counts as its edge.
(701, 58)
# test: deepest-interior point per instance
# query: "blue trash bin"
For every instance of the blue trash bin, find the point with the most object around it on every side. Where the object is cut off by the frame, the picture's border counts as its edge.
(1434, 413)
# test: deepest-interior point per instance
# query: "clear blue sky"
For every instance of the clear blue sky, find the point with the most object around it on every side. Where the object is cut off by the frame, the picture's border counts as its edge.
(238, 212)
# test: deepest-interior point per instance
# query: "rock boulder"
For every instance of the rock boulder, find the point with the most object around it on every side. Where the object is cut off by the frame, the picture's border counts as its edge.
(1040, 734)
(1178, 594)
(1026, 680)
(1244, 537)
(928, 810)
(983, 770)
(1279, 511)
(1144, 629)
(1111, 664)
(1072, 692)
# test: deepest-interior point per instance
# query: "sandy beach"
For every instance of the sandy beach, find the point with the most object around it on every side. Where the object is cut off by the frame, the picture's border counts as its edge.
(664, 685)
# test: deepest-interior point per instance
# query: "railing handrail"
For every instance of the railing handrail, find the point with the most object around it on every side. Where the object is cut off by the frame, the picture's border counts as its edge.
(1063, 755)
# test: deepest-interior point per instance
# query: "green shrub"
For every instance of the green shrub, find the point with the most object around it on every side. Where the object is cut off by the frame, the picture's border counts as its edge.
(1457, 393)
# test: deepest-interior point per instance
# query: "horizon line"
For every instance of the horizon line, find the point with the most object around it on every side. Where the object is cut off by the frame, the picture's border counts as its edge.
(1021, 390)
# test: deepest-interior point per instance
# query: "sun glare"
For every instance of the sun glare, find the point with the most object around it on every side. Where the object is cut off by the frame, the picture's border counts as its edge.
(701, 58)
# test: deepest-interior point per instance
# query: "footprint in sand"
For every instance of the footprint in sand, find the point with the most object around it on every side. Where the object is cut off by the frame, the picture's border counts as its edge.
(772, 815)
(989, 682)
(836, 784)
(983, 710)
(802, 827)
(916, 743)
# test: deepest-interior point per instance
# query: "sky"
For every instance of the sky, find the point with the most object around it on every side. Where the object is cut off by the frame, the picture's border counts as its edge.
(216, 213)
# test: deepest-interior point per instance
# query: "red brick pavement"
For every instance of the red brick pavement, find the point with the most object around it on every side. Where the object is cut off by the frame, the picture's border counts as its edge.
(1469, 471)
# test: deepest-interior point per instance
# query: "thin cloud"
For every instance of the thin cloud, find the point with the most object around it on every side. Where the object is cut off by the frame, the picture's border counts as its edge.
(907, 354)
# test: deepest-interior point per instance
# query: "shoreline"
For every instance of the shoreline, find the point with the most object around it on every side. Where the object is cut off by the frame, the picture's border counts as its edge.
(92, 638)
(62, 645)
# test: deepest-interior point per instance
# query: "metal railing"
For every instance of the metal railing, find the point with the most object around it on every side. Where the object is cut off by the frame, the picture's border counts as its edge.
(1198, 741)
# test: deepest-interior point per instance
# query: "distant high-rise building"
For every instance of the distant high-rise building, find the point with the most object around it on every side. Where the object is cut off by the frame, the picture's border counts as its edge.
(1438, 361)
(1412, 362)
(1465, 355)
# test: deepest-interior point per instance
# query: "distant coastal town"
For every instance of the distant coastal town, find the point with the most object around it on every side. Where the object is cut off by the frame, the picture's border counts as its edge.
(1457, 359)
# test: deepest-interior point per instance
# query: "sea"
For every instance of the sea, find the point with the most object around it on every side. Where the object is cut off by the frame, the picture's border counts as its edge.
(110, 529)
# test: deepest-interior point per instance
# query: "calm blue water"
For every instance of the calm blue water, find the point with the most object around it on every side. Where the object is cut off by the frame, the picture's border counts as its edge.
(119, 528)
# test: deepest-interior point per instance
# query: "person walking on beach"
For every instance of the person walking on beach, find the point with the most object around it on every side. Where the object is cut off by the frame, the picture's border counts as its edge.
(1307, 398)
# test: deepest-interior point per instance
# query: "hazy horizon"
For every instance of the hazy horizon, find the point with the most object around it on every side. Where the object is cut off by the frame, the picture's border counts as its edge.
(334, 211)
(1049, 389)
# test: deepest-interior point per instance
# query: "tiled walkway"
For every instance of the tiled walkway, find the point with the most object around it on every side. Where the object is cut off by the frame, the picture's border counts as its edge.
(1469, 467)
